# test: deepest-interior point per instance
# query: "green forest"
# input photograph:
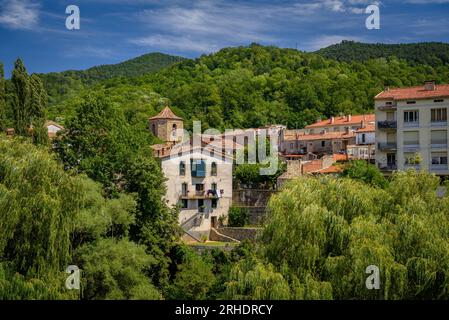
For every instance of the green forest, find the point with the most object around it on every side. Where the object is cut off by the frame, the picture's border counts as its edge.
(94, 196)
(252, 86)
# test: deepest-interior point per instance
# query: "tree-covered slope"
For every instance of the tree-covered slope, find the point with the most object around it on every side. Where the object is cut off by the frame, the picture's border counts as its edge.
(432, 53)
(63, 84)
(256, 85)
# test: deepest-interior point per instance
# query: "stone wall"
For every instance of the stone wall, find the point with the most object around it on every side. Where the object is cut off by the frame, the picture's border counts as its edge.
(240, 234)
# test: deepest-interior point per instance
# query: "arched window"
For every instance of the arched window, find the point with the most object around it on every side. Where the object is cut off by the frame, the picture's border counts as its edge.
(213, 171)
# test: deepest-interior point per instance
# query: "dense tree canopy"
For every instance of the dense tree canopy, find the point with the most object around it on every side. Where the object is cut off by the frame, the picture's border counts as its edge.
(338, 227)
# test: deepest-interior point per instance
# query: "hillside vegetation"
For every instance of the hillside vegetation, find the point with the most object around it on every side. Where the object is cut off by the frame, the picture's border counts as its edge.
(431, 53)
(62, 85)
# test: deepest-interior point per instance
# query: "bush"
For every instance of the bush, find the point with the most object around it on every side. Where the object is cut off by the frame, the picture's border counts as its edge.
(238, 217)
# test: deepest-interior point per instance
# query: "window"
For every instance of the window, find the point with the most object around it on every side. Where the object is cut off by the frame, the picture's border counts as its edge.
(411, 138)
(363, 138)
(411, 102)
(438, 100)
(199, 187)
(198, 168)
(213, 169)
(439, 115)
(184, 203)
(214, 186)
(184, 190)
(389, 103)
(182, 168)
(439, 159)
(214, 203)
(323, 144)
(439, 138)
(153, 129)
(411, 117)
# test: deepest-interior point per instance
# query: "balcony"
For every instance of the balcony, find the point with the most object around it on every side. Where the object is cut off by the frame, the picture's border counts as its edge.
(387, 125)
(198, 195)
(388, 146)
(388, 166)
(387, 108)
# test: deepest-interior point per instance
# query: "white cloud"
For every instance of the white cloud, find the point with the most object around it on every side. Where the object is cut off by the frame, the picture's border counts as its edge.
(19, 14)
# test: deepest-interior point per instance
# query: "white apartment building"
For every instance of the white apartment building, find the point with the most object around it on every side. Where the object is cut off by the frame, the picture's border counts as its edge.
(412, 128)
(199, 182)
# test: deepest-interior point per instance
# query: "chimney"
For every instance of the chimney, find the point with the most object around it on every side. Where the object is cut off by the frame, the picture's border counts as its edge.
(387, 89)
(430, 85)
(349, 118)
(363, 124)
(332, 121)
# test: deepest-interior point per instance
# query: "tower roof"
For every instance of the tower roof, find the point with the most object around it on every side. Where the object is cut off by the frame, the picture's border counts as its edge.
(166, 114)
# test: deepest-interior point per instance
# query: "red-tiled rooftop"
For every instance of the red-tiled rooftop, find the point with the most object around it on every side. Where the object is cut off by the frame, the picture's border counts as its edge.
(368, 128)
(166, 114)
(343, 120)
(326, 136)
(420, 92)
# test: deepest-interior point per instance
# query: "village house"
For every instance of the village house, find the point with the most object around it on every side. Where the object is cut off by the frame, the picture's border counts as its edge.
(365, 144)
(198, 173)
(412, 128)
(325, 137)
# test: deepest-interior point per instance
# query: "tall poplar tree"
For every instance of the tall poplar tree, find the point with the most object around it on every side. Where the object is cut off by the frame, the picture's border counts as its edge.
(2, 98)
(21, 97)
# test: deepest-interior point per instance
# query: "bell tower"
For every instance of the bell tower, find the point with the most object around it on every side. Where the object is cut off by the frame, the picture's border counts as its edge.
(165, 126)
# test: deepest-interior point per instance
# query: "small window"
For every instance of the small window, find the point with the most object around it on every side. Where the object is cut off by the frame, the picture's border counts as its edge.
(214, 203)
(153, 129)
(411, 102)
(214, 186)
(185, 204)
(323, 144)
(182, 168)
(213, 171)
(439, 115)
(438, 100)
(411, 117)
(389, 103)
(363, 138)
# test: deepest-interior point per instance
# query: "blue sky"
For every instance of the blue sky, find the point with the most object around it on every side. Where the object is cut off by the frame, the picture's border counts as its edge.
(116, 30)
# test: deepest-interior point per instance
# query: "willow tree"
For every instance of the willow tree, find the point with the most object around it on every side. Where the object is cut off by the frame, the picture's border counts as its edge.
(38, 205)
(323, 233)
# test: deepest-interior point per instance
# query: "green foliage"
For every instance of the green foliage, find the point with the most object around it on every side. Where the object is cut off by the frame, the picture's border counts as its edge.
(322, 234)
(238, 217)
(250, 279)
(114, 270)
(14, 286)
(66, 85)
(38, 204)
(365, 172)
(104, 143)
(430, 53)
(2, 98)
(193, 279)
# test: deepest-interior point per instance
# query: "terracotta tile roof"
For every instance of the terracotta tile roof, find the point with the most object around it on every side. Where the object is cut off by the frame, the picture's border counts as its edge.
(343, 120)
(52, 123)
(340, 157)
(414, 93)
(368, 128)
(166, 114)
(326, 136)
(312, 166)
(330, 170)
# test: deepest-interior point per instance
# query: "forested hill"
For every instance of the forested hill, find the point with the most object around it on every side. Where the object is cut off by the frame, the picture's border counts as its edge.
(66, 82)
(255, 85)
(431, 53)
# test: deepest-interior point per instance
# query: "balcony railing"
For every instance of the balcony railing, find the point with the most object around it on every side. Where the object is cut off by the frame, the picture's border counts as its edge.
(210, 194)
(387, 146)
(387, 108)
(387, 124)
(388, 166)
